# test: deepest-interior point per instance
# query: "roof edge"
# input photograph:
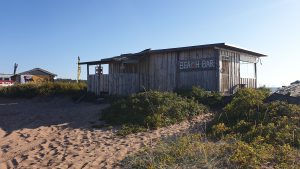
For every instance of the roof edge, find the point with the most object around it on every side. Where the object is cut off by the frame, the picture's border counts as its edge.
(149, 51)
(40, 69)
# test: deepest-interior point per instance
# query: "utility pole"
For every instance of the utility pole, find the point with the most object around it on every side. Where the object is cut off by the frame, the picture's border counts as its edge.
(78, 69)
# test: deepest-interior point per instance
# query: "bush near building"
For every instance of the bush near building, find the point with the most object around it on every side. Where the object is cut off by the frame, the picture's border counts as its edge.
(151, 110)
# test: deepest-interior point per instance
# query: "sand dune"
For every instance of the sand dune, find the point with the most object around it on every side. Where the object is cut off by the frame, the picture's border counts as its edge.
(57, 133)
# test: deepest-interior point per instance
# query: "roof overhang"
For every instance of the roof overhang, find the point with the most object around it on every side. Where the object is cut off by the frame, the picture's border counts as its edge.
(215, 45)
(239, 49)
(98, 62)
(126, 57)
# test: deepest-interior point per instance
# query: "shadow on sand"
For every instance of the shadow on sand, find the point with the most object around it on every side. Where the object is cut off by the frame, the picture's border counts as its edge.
(16, 114)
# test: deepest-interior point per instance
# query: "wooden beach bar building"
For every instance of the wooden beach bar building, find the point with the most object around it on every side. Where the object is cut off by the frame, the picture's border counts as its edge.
(214, 67)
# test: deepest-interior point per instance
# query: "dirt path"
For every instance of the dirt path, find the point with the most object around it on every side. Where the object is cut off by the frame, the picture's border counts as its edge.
(62, 137)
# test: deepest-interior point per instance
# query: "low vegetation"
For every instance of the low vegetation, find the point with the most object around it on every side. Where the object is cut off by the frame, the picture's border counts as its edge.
(247, 133)
(29, 90)
(151, 110)
(250, 119)
(211, 99)
(194, 151)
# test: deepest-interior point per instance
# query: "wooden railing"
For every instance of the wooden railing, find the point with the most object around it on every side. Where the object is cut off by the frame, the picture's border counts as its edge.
(114, 84)
(248, 82)
(128, 83)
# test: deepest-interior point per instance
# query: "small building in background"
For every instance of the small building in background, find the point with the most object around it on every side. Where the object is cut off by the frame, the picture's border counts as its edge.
(36, 75)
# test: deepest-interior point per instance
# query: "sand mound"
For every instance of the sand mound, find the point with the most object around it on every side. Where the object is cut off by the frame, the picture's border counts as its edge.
(58, 134)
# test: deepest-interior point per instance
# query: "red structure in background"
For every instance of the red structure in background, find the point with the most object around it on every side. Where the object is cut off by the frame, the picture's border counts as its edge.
(6, 80)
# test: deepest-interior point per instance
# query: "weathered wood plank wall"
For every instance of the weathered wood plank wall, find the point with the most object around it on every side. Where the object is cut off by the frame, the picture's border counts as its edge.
(98, 84)
(93, 84)
(123, 83)
(206, 79)
(163, 71)
(114, 84)
(229, 71)
(165, 75)
(143, 72)
(160, 71)
(104, 85)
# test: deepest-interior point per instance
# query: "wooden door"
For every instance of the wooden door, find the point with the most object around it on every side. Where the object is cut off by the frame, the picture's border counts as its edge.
(225, 77)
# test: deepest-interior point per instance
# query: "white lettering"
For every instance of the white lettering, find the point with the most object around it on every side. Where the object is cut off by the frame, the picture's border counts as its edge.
(212, 63)
(197, 64)
(181, 65)
(203, 64)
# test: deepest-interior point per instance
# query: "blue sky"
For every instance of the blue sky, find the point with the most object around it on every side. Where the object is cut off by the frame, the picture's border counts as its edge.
(51, 34)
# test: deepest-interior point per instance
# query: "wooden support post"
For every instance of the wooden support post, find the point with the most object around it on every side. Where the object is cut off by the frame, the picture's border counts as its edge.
(87, 70)
(78, 69)
(87, 77)
(255, 70)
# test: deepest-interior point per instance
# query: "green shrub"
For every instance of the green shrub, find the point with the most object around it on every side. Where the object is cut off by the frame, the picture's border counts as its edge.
(152, 110)
(248, 118)
(259, 155)
(246, 104)
(266, 91)
(29, 90)
(249, 133)
(129, 129)
(211, 99)
(278, 125)
(281, 132)
(219, 130)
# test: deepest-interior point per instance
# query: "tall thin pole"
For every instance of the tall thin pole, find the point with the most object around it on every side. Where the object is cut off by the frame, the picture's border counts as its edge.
(78, 69)
(15, 68)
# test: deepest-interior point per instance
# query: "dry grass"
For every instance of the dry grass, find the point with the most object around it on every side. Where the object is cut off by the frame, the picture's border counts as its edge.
(30, 90)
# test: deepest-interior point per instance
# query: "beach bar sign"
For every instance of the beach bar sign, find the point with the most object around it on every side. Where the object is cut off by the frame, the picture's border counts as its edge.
(198, 64)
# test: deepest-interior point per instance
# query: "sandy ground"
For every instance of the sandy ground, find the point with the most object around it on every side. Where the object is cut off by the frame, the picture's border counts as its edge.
(57, 133)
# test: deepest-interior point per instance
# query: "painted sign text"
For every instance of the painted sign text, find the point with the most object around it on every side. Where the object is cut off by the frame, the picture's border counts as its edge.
(199, 64)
